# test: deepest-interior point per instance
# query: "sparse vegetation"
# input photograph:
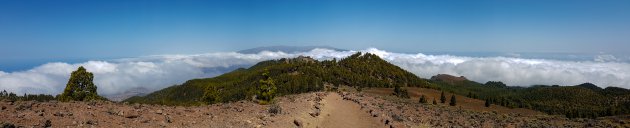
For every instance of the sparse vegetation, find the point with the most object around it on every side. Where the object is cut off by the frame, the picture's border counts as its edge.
(275, 109)
(580, 101)
(4, 95)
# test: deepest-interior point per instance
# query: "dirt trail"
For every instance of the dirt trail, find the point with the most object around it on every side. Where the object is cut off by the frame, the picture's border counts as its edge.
(297, 110)
(339, 113)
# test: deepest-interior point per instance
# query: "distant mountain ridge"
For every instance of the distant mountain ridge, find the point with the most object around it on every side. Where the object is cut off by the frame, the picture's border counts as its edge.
(449, 78)
(286, 49)
(140, 91)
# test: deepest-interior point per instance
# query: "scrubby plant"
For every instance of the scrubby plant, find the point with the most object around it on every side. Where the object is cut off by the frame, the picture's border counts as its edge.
(7, 125)
(275, 109)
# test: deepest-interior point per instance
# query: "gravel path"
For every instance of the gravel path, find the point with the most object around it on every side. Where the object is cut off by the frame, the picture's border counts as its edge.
(339, 113)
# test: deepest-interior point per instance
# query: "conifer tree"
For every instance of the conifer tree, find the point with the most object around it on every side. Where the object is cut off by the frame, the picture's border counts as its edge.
(453, 101)
(423, 99)
(267, 88)
(400, 92)
(211, 95)
(80, 87)
(487, 104)
(442, 98)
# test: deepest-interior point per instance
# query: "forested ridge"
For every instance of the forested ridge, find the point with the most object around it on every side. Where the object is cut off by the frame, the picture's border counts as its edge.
(584, 100)
(291, 76)
(304, 74)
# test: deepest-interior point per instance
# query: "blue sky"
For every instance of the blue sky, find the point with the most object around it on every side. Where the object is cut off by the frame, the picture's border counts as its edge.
(42, 41)
(60, 29)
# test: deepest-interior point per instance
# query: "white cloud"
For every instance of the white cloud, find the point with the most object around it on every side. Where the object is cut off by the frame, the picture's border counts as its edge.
(156, 72)
(605, 58)
(515, 55)
(150, 72)
(514, 71)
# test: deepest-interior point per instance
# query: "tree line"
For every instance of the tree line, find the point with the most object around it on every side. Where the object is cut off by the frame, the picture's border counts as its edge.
(79, 88)
(290, 76)
(580, 101)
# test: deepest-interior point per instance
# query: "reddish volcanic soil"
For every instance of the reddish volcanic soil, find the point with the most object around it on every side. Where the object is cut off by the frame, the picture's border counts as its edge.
(320, 109)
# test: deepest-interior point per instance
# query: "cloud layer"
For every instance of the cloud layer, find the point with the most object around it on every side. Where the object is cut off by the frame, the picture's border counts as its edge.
(514, 71)
(160, 71)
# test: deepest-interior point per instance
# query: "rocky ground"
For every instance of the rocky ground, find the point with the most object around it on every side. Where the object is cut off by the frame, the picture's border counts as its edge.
(320, 109)
(407, 113)
(109, 114)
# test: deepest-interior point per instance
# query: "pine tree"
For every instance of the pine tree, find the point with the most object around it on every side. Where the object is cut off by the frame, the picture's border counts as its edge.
(442, 98)
(400, 92)
(267, 88)
(397, 90)
(423, 99)
(80, 87)
(211, 95)
(487, 104)
(4, 93)
(453, 101)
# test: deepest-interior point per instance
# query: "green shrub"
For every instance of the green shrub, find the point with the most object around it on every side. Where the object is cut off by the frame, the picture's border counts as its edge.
(275, 109)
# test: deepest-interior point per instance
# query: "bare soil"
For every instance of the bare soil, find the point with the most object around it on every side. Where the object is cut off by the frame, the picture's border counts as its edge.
(462, 101)
(311, 110)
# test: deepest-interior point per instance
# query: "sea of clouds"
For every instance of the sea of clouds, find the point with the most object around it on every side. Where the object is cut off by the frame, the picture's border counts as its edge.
(156, 72)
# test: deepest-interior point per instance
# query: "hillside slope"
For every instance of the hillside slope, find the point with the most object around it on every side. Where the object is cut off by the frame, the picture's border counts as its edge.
(304, 74)
(342, 109)
(297, 75)
(584, 100)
